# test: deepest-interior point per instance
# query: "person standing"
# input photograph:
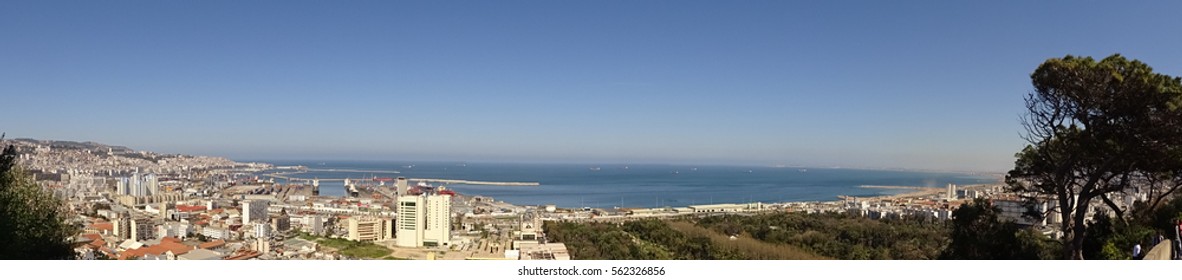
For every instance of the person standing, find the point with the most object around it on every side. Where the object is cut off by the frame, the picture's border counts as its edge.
(1137, 251)
(1178, 239)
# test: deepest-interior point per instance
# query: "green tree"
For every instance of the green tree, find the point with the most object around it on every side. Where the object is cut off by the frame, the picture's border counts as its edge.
(1094, 128)
(1107, 239)
(33, 222)
(979, 234)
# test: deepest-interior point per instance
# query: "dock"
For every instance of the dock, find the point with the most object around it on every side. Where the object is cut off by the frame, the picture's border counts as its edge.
(428, 180)
(484, 183)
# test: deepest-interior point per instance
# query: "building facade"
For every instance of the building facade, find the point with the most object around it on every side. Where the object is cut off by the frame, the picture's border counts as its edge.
(255, 211)
(410, 221)
(367, 229)
(437, 223)
(424, 220)
(142, 229)
(262, 231)
(215, 232)
(138, 185)
(122, 228)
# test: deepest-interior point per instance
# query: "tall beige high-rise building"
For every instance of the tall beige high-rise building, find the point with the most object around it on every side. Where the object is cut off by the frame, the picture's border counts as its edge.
(410, 221)
(424, 220)
(437, 229)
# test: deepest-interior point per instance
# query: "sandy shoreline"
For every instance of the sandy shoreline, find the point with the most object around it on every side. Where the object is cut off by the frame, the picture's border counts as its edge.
(917, 192)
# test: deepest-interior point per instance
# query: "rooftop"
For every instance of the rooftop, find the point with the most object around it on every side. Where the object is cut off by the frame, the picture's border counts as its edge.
(200, 254)
(212, 244)
(103, 226)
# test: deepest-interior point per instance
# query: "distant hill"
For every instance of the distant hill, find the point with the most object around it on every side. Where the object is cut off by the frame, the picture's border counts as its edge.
(74, 145)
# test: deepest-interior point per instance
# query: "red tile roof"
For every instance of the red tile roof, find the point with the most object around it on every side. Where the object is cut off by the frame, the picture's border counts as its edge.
(133, 253)
(212, 244)
(176, 248)
(93, 236)
(103, 226)
(158, 249)
(107, 251)
(97, 243)
(190, 208)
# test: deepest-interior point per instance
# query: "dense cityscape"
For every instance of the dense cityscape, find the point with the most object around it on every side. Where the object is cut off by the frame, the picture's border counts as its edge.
(302, 139)
(142, 205)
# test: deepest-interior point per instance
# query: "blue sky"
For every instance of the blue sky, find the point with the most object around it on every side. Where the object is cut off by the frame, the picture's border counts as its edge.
(903, 84)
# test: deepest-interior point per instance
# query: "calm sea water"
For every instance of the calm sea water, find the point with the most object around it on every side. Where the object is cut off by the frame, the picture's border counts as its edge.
(606, 186)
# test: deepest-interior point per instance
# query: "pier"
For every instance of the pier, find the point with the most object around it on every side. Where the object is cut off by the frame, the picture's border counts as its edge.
(485, 183)
(284, 175)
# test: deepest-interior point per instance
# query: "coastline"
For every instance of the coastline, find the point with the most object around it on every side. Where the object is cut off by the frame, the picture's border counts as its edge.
(638, 186)
(916, 192)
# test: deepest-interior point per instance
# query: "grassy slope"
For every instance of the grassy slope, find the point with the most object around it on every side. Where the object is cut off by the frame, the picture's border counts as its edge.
(750, 248)
(351, 248)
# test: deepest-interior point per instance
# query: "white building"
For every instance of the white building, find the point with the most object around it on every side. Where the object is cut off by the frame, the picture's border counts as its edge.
(255, 211)
(173, 229)
(1014, 209)
(137, 185)
(215, 232)
(367, 229)
(713, 208)
(262, 231)
(313, 224)
(424, 220)
(437, 229)
(411, 218)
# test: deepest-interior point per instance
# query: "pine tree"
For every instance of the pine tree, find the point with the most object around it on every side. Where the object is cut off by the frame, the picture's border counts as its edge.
(33, 223)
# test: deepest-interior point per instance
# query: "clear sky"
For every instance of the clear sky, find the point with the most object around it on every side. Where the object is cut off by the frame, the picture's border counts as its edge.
(903, 84)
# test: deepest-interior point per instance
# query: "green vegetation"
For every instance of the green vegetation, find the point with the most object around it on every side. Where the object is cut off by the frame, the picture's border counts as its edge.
(1107, 239)
(1095, 128)
(33, 223)
(978, 234)
(662, 240)
(355, 249)
(1110, 238)
(598, 241)
(744, 246)
(672, 243)
(840, 236)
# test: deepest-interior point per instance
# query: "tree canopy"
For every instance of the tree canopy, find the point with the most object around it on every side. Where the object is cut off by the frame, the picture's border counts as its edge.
(1095, 128)
(978, 233)
(33, 222)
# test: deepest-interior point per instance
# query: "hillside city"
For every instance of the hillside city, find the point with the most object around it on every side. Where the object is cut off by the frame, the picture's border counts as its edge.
(137, 205)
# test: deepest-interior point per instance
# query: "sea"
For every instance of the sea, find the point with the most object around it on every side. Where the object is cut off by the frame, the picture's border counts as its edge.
(633, 186)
